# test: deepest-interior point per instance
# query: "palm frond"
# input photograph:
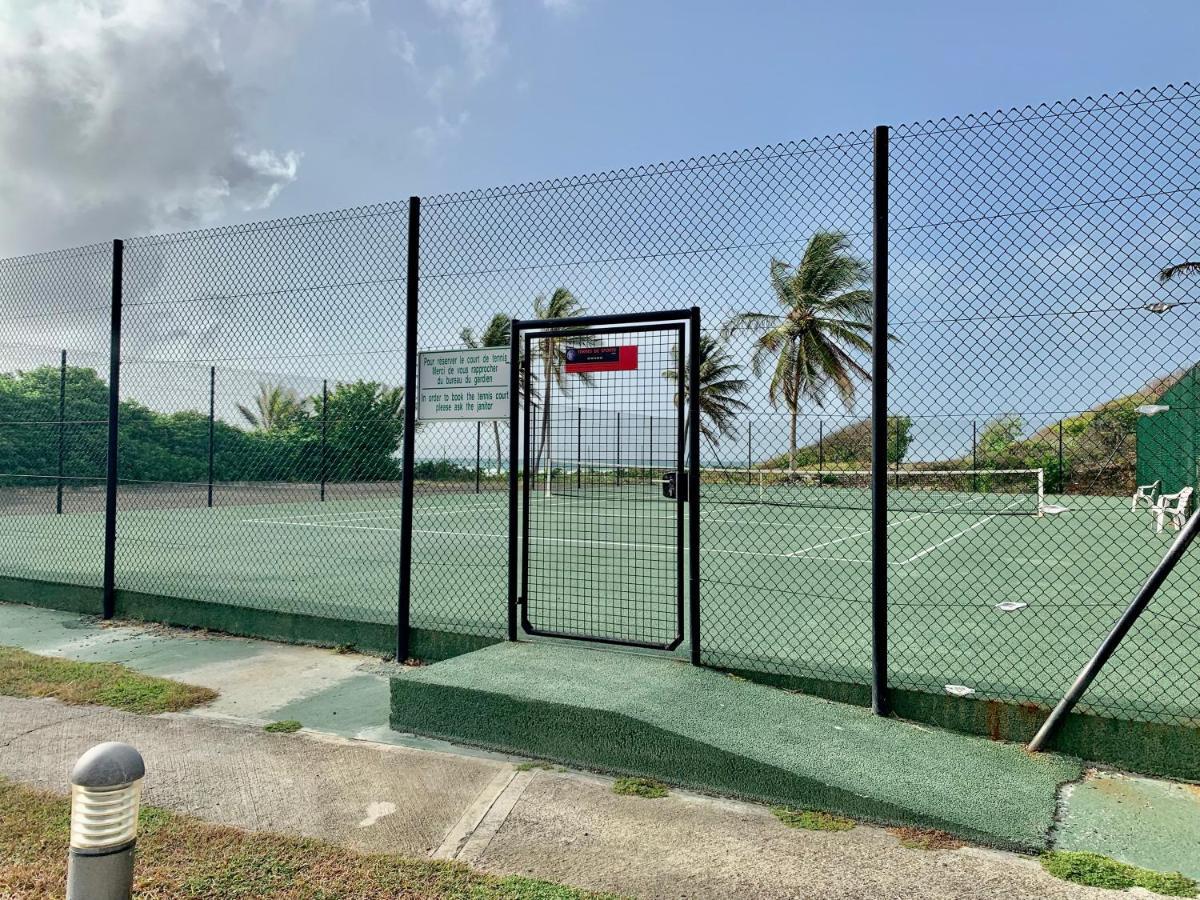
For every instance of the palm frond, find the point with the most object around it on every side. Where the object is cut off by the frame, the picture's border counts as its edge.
(1190, 267)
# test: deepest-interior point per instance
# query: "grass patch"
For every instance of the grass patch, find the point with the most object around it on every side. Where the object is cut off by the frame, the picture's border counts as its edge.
(182, 857)
(1094, 870)
(536, 764)
(24, 674)
(640, 787)
(811, 819)
(926, 839)
(285, 726)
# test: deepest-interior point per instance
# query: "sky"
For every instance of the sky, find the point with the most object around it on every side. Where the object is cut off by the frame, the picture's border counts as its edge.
(133, 117)
(127, 117)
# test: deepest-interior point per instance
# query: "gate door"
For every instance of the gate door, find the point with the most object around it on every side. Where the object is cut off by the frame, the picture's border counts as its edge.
(602, 520)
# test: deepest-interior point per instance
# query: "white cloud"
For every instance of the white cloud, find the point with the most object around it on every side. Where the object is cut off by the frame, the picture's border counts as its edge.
(476, 26)
(360, 8)
(431, 136)
(401, 45)
(123, 116)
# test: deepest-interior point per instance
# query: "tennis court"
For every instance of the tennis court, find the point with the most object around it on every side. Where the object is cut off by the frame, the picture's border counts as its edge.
(983, 594)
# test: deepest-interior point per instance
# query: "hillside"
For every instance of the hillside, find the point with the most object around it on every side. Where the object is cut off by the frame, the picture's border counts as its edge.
(1099, 446)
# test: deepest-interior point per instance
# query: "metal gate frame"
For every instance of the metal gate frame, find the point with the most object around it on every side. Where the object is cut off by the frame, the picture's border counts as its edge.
(523, 331)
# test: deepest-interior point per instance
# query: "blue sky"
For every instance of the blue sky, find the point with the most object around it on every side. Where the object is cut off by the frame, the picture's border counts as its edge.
(132, 117)
(127, 117)
(601, 85)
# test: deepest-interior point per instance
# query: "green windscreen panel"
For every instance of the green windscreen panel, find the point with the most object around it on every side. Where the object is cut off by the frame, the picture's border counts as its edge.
(1167, 448)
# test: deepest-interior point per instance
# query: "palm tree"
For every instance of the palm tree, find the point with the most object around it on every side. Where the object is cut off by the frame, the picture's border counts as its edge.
(717, 391)
(1191, 267)
(825, 320)
(498, 333)
(551, 356)
(275, 407)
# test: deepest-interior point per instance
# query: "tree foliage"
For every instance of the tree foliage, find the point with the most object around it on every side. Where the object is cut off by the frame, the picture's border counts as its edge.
(364, 430)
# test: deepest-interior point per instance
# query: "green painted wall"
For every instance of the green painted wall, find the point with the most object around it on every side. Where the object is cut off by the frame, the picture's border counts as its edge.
(1167, 448)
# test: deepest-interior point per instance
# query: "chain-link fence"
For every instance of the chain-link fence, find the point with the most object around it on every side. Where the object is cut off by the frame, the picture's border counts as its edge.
(54, 310)
(261, 395)
(1042, 374)
(1033, 333)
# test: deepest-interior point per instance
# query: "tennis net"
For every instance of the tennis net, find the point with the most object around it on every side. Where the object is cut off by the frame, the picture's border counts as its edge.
(993, 491)
(1018, 492)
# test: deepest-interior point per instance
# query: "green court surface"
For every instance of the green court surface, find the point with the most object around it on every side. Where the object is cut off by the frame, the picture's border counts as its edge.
(689, 726)
(785, 589)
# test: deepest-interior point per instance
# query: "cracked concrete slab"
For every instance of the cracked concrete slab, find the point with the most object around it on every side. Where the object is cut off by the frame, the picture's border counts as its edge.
(320, 787)
(572, 828)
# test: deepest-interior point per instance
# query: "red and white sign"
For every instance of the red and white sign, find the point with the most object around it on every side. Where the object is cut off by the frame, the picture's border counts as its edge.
(602, 359)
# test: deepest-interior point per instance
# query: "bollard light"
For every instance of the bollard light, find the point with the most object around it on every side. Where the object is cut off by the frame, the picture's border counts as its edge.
(106, 789)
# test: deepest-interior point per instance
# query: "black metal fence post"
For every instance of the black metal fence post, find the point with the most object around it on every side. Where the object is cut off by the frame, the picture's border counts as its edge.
(879, 433)
(324, 434)
(109, 604)
(514, 408)
(478, 454)
(618, 448)
(579, 447)
(650, 443)
(820, 446)
(896, 464)
(403, 605)
(212, 405)
(693, 398)
(975, 457)
(750, 453)
(62, 431)
(1062, 474)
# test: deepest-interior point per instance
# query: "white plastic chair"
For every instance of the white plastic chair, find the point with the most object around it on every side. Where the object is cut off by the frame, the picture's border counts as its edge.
(1172, 508)
(1145, 493)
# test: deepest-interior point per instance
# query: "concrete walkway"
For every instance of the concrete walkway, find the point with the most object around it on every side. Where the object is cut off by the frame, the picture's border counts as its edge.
(346, 778)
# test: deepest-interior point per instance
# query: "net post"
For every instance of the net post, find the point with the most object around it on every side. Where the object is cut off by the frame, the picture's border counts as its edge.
(212, 403)
(514, 392)
(412, 287)
(108, 603)
(324, 427)
(62, 431)
(693, 397)
(879, 435)
(478, 453)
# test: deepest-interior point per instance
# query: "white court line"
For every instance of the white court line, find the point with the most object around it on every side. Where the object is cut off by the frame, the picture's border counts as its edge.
(486, 534)
(956, 536)
(849, 537)
(365, 514)
(863, 562)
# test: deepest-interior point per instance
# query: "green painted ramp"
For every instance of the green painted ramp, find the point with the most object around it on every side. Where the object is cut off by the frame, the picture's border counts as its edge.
(698, 728)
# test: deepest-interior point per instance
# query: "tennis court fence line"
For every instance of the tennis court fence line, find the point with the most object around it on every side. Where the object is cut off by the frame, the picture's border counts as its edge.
(214, 428)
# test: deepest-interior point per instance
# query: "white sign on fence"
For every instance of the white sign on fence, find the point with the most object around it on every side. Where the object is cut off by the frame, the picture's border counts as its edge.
(463, 384)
